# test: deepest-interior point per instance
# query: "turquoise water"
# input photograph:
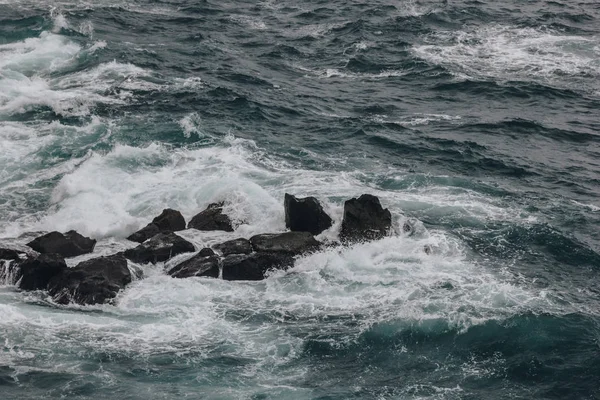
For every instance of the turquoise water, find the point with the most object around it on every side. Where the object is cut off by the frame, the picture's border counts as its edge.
(479, 120)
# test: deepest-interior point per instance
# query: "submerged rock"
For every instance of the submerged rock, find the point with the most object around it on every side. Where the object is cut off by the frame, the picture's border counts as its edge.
(70, 244)
(168, 221)
(159, 248)
(235, 246)
(254, 266)
(198, 265)
(365, 219)
(289, 242)
(36, 272)
(305, 215)
(211, 219)
(91, 282)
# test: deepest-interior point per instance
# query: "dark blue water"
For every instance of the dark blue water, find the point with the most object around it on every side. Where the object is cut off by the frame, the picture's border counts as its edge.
(479, 119)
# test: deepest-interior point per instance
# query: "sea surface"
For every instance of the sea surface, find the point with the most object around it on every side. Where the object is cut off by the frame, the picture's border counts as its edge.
(478, 121)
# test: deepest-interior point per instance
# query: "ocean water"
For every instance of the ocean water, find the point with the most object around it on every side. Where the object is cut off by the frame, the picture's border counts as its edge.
(479, 120)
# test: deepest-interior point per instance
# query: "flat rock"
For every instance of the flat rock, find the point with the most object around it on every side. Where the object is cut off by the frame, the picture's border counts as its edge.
(70, 244)
(305, 215)
(91, 282)
(168, 221)
(365, 219)
(289, 242)
(211, 219)
(36, 272)
(254, 266)
(235, 246)
(197, 266)
(159, 248)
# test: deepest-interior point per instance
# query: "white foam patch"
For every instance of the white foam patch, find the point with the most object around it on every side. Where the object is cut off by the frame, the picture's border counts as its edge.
(416, 120)
(114, 194)
(344, 74)
(509, 53)
(191, 124)
(47, 53)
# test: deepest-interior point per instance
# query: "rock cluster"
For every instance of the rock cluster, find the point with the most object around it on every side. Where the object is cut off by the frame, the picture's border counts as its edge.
(99, 280)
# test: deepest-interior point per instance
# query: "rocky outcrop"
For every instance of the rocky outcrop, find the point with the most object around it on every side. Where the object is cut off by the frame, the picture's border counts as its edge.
(10, 254)
(365, 219)
(159, 248)
(211, 219)
(305, 215)
(91, 282)
(205, 252)
(36, 272)
(235, 246)
(293, 243)
(168, 221)
(197, 266)
(254, 266)
(70, 244)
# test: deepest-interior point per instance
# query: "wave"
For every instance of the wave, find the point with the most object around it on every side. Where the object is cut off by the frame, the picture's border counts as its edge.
(508, 53)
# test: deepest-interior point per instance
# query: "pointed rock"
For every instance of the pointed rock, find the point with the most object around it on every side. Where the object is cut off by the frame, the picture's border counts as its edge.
(305, 215)
(206, 252)
(254, 266)
(212, 219)
(289, 242)
(197, 266)
(70, 244)
(168, 221)
(235, 246)
(365, 219)
(91, 282)
(159, 248)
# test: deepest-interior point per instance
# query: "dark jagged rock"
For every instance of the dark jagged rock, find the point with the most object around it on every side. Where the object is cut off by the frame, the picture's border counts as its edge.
(235, 246)
(206, 252)
(288, 242)
(70, 244)
(144, 234)
(365, 219)
(197, 266)
(10, 254)
(159, 248)
(212, 219)
(254, 266)
(35, 273)
(168, 221)
(305, 215)
(91, 282)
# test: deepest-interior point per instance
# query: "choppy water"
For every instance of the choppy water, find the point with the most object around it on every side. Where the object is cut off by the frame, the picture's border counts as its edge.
(478, 118)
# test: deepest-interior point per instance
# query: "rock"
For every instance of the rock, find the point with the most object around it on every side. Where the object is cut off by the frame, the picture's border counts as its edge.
(35, 273)
(212, 219)
(159, 248)
(235, 246)
(305, 215)
(91, 282)
(365, 219)
(289, 242)
(10, 254)
(70, 244)
(197, 266)
(254, 266)
(206, 252)
(168, 221)
(144, 234)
